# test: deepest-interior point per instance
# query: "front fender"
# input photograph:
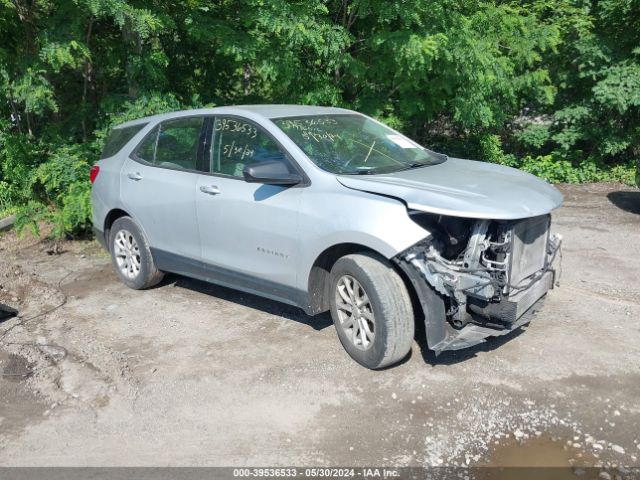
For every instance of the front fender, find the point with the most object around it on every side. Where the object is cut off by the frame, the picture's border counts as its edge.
(348, 216)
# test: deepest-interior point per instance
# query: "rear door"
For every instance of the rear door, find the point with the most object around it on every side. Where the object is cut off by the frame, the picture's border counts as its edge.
(248, 231)
(158, 187)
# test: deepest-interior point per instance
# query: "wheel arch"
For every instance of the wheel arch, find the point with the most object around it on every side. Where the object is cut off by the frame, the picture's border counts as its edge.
(110, 218)
(318, 286)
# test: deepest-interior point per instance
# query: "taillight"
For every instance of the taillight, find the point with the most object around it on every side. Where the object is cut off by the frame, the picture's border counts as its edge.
(93, 174)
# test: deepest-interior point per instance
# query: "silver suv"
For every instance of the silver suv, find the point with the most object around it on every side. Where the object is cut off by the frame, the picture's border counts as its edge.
(328, 209)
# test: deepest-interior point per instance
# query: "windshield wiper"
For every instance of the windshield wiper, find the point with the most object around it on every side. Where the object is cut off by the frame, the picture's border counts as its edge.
(420, 164)
(413, 165)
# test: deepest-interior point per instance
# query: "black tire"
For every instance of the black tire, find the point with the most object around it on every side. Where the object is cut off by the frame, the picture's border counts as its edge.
(148, 274)
(390, 303)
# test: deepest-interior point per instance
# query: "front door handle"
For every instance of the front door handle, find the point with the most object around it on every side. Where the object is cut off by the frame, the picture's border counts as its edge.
(134, 176)
(210, 189)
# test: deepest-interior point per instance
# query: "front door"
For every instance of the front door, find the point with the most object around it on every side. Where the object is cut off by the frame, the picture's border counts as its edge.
(248, 231)
(158, 186)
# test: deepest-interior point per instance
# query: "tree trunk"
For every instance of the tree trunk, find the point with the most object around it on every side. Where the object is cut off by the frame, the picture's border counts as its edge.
(132, 38)
(88, 70)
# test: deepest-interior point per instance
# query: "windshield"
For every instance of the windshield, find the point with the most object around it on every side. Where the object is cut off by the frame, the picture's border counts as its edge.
(355, 144)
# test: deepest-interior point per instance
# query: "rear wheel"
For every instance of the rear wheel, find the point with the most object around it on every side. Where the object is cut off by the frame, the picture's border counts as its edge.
(131, 255)
(371, 310)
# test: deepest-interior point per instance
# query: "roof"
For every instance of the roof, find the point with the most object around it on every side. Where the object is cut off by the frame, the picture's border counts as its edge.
(265, 111)
(276, 111)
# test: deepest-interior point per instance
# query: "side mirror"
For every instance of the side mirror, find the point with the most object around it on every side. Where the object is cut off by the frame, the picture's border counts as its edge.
(271, 172)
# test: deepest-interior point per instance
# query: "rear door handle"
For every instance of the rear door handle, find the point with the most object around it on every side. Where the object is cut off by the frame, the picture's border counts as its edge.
(134, 176)
(210, 189)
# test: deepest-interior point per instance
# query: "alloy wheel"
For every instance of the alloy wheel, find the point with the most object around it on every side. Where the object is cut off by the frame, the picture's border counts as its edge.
(355, 313)
(127, 254)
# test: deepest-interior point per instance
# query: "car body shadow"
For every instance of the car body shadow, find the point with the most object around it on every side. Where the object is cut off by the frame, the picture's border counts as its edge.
(626, 200)
(7, 312)
(272, 307)
(322, 321)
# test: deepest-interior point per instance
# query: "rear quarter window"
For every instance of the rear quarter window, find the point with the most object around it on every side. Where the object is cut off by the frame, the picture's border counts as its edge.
(118, 138)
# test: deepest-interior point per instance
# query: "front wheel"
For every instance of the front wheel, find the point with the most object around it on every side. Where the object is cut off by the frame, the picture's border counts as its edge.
(131, 255)
(371, 310)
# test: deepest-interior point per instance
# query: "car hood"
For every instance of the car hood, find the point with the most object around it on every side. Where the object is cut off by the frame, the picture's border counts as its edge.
(464, 188)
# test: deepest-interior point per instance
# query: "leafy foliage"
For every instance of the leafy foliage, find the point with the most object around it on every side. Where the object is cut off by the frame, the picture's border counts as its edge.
(60, 193)
(558, 169)
(549, 87)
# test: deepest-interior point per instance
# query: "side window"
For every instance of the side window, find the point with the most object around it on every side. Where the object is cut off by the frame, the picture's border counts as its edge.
(174, 144)
(147, 149)
(236, 144)
(118, 138)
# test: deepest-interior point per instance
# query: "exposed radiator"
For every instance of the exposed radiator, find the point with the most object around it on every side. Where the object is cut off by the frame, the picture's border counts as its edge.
(529, 239)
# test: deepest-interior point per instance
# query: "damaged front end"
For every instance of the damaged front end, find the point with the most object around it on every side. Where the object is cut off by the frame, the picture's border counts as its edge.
(479, 278)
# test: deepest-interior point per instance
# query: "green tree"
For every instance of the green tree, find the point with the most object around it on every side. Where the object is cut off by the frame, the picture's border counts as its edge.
(549, 86)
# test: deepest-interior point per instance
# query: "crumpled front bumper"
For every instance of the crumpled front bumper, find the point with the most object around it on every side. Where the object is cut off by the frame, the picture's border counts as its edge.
(511, 308)
(474, 333)
(489, 319)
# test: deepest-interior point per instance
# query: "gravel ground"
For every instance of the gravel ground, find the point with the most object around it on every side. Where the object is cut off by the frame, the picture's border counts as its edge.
(193, 374)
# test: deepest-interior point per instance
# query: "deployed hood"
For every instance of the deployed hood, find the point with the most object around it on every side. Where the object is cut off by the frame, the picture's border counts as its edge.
(464, 188)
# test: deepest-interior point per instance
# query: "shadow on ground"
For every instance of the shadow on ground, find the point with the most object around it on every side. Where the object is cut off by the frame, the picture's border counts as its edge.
(318, 322)
(322, 321)
(7, 312)
(625, 200)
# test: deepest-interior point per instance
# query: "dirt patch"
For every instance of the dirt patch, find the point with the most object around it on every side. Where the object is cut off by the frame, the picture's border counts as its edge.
(85, 283)
(13, 367)
(19, 406)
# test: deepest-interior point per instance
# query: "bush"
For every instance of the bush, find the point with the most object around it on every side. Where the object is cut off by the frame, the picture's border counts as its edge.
(491, 151)
(557, 170)
(558, 167)
(60, 194)
(52, 186)
(18, 158)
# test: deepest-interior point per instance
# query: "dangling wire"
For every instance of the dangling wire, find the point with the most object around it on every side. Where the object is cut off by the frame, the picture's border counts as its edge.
(39, 346)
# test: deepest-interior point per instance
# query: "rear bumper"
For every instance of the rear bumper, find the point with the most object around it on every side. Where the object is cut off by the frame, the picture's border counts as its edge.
(99, 234)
